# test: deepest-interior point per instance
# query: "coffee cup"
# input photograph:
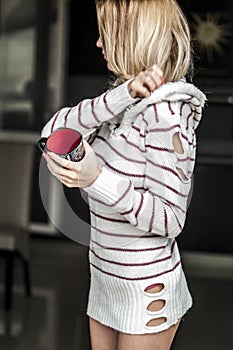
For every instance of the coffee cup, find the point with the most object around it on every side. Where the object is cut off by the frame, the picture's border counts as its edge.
(65, 142)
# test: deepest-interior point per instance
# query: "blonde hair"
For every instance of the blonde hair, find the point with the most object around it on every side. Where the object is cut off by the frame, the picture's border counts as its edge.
(139, 33)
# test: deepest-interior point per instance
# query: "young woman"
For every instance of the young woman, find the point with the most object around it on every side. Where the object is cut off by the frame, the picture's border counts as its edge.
(137, 173)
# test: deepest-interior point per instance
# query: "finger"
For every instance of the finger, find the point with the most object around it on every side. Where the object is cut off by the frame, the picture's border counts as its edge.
(44, 155)
(141, 87)
(61, 161)
(60, 172)
(68, 183)
(69, 174)
(54, 168)
(143, 91)
(157, 74)
(149, 82)
(158, 80)
(157, 70)
(67, 180)
(155, 78)
(152, 78)
(138, 86)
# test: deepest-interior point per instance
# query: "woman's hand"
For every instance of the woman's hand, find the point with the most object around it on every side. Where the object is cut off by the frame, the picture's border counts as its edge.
(74, 174)
(146, 82)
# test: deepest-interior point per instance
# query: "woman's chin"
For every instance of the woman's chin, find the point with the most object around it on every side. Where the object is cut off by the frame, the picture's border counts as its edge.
(109, 68)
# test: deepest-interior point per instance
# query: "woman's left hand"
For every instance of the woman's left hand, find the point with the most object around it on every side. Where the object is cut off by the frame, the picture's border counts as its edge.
(74, 174)
(146, 82)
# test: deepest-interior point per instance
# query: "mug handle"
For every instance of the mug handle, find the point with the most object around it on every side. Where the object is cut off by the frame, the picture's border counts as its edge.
(42, 143)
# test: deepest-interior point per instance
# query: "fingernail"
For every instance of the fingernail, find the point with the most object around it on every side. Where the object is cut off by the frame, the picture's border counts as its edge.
(163, 81)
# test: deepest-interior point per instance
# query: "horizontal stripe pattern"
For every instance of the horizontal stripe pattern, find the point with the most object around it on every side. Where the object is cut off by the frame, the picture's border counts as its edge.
(130, 264)
(138, 203)
(145, 203)
(117, 152)
(118, 170)
(135, 234)
(137, 278)
(128, 250)
(162, 184)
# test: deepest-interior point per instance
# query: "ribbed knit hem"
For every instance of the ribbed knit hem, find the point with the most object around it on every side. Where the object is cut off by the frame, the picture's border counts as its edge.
(122, 305)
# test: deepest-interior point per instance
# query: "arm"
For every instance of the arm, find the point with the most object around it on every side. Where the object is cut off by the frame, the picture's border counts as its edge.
(161, 209)
(90, 113)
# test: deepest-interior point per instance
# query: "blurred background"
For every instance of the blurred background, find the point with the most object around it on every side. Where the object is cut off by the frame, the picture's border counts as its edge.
(48, 59)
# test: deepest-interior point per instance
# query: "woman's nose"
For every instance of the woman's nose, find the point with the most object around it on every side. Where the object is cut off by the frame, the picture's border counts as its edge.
(99, 43)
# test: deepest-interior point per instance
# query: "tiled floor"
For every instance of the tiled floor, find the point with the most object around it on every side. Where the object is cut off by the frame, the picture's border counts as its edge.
(54, 318)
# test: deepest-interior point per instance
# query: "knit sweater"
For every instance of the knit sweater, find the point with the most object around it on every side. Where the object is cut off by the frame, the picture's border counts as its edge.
(140, 193)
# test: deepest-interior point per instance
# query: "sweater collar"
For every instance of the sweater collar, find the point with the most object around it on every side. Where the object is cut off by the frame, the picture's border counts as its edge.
(172, 92)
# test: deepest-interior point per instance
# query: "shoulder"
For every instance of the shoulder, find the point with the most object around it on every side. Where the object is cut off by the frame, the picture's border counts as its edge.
(175, 101)
(163, 114)
(167, 105)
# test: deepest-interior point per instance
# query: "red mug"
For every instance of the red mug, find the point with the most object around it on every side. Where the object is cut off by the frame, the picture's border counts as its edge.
(65, 142)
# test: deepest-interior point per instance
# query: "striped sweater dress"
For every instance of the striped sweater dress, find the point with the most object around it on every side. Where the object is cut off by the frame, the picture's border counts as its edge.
(138, 203)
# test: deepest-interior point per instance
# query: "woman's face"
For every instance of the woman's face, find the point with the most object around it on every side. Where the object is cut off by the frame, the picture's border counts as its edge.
(99, 44)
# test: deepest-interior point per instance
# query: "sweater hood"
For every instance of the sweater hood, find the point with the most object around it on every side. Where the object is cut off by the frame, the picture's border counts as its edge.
(170, 92)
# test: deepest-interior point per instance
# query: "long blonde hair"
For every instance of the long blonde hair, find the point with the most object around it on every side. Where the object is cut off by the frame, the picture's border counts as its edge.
(139, 33)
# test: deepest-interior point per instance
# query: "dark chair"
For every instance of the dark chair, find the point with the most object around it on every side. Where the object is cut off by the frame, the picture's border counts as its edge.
(15, 186)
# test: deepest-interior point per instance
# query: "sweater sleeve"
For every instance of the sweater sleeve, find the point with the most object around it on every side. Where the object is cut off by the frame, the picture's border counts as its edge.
(88, 115)
(161, 209)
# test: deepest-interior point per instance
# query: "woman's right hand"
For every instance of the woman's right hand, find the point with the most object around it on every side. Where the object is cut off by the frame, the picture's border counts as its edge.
(146, 82)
